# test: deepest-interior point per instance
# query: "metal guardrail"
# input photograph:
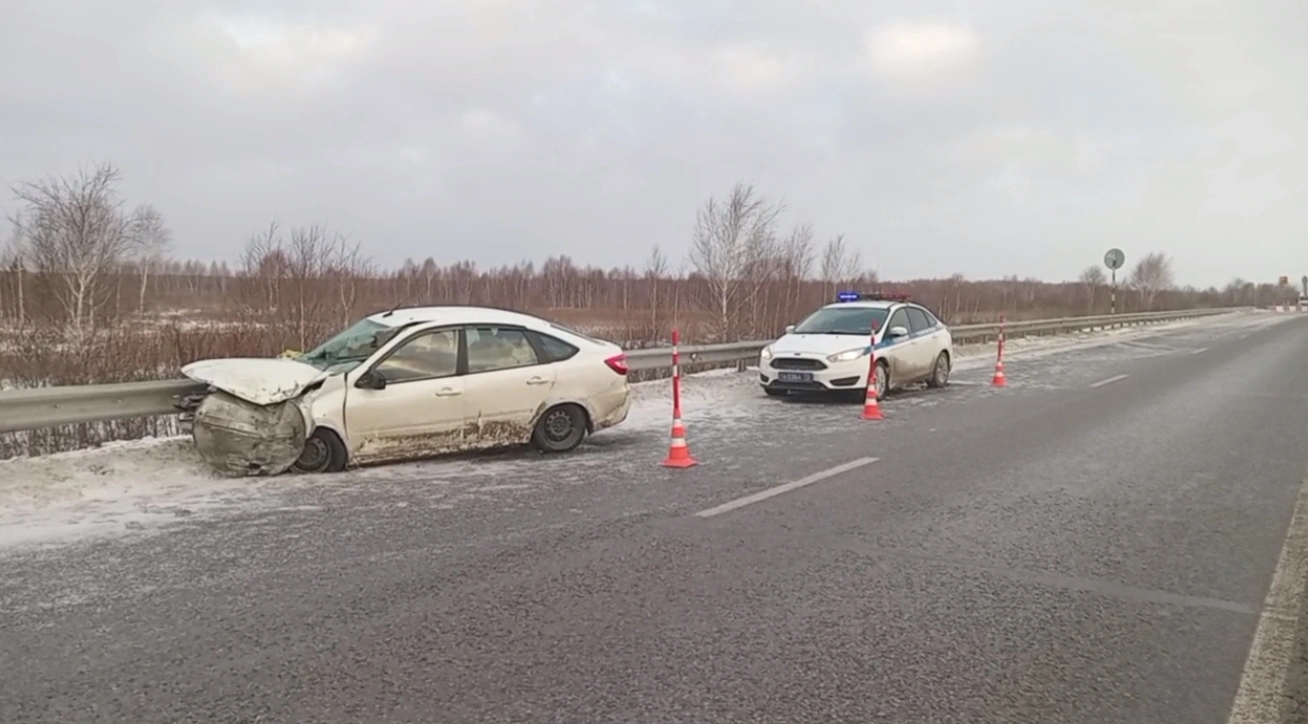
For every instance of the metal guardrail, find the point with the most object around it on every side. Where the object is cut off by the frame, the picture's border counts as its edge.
(43, 407)
(708, 354)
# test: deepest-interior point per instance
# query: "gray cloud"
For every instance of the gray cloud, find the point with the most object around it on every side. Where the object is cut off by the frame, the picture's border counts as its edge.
(990, 139)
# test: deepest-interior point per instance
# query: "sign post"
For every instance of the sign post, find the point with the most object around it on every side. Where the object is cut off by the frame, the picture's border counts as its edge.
(1114, 260)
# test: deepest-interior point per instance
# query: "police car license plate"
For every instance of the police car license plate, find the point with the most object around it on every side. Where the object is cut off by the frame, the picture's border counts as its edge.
(795, 376)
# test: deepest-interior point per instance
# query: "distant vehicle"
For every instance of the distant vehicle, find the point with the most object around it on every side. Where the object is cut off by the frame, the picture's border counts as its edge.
(828, 350)
(410, 383)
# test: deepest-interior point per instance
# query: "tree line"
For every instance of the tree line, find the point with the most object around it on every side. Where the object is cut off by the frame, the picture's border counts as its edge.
(79, 259)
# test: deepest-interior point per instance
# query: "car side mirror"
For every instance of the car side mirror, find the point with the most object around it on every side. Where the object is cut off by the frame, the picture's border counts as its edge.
(897, 332)
(371, 380)
(790, 328)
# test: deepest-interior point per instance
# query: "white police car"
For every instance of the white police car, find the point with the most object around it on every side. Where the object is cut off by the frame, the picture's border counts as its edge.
(828, 351)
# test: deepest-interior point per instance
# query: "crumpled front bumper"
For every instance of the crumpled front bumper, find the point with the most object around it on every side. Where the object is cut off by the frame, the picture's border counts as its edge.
(240, 438)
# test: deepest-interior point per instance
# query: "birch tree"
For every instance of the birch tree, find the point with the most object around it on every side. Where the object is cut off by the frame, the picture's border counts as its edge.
(15, 259)
(839, 264)
(77, 234)
(656, 267)
(152, 242)
(1151, 275)
(732, 239)
(1092, 277)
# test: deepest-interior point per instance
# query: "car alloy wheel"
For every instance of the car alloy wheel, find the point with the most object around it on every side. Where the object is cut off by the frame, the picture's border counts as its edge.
(941, 376)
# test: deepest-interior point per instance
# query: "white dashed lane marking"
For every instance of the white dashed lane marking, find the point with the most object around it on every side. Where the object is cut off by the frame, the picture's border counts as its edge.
(785, 488)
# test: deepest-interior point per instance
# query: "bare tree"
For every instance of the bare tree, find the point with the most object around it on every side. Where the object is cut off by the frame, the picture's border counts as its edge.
(311, 255)
(429, 273)
(77, 233)
(840, 264)
(1151, 275)
(1092, 277)
(1240, 293)
(560, 275)
(349, 266)
(731, 240)
(15, 259)
(265, 265)
(656, 267)
(152, 242)
(796, 261)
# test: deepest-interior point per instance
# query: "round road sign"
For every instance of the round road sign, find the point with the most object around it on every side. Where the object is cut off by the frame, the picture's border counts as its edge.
(1114, 259)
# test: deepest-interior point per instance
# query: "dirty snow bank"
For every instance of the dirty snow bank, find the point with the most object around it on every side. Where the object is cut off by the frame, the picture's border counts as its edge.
(125, 485)
(145, 484)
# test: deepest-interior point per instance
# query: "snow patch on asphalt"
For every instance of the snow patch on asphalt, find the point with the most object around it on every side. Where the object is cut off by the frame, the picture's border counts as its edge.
(977, 356)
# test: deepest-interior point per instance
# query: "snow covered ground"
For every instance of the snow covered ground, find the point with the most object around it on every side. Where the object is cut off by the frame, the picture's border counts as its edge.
(141, 486)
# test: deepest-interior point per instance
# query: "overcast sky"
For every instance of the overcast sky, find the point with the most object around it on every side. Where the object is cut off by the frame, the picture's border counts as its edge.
(989, 137)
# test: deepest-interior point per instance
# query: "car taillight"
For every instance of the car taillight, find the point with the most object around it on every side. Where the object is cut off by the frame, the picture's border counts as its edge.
(618, 363)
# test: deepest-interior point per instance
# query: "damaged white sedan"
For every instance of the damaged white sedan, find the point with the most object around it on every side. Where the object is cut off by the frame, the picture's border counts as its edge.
(406, 384)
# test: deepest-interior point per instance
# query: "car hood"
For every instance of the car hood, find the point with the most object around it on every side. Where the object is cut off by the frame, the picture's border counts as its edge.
(821, 344)
(263, 381)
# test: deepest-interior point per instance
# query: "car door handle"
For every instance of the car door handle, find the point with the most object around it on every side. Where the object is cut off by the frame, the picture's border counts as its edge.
(448, 392)
(538, 381)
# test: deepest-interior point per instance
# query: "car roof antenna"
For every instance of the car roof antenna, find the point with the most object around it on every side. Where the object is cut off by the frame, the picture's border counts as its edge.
(404, 302)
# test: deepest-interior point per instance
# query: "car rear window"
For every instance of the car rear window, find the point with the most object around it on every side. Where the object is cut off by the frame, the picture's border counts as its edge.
(556, 350)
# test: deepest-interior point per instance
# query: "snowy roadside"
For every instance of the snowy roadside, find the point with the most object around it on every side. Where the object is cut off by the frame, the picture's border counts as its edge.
(145, 484)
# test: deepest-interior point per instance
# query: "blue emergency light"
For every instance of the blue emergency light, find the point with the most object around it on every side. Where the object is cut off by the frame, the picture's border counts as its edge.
(870, 296)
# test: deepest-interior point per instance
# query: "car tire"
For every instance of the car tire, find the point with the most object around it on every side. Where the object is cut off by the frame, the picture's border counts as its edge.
(883, 379)
(324, 452)
(940, 372)
(772, 392)
(560, 429)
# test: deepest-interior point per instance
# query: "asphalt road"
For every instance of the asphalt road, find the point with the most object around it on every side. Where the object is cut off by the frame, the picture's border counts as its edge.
(1094, 543)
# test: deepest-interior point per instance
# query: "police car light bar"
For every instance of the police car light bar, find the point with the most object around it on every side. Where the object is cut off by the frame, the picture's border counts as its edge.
(870, 296)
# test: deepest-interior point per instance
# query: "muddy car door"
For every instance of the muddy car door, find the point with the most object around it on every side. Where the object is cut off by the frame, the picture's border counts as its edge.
(410, 403)
(925, 344)
(505, 384)
(896, 349)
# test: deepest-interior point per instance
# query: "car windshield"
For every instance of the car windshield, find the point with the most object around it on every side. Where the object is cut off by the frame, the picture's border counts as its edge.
(843, 320)
(350, 348)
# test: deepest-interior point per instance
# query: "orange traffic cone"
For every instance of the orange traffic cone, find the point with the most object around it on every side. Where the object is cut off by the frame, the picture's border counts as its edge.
(999, 380)
(871, 410)
(678, 451)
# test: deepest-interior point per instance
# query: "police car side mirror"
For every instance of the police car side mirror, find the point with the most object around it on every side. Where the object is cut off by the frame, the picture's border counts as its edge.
(790, 328)
(897, 332)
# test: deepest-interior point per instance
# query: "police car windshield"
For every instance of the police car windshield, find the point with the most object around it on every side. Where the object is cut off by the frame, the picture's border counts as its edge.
(843, 320)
